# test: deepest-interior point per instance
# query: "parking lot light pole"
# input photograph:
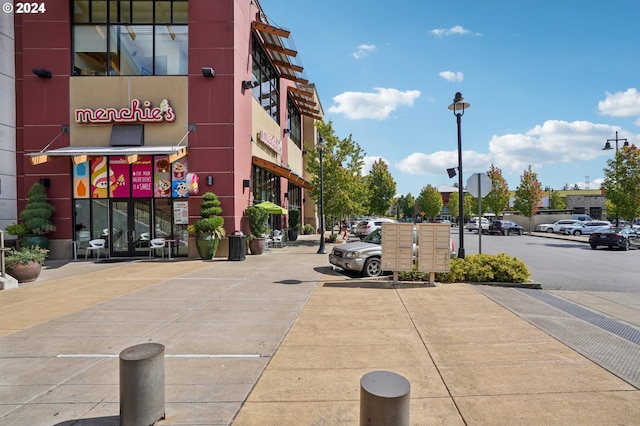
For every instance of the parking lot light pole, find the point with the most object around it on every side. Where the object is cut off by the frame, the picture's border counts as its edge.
(458, 106)
(321, 147)
(607, 146)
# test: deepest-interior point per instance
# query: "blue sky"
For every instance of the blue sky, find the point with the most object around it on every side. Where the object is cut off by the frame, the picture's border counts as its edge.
(548, 82)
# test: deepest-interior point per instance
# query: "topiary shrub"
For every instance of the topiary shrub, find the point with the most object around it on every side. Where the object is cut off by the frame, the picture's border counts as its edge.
(37, 213)
(211, 222)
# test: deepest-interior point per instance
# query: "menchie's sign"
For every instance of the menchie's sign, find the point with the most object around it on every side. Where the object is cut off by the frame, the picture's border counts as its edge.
(138, 112)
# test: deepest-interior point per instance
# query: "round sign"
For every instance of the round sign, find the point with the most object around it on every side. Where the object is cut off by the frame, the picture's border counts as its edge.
(479, 185)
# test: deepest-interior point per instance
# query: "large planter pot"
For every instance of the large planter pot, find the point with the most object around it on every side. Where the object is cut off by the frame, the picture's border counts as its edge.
(256, 245)
(292, 234)
(207, 246)
(35, 240)
(26, 273)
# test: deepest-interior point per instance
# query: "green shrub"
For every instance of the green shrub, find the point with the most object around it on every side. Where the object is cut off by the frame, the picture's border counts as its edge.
(477, 268)
(37, 213)
(257, 220)
(294, 219)
(308, 229)
(24, 256)
(210, 223)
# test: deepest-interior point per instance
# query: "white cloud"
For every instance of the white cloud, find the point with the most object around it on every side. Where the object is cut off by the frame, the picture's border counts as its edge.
(437, 163)
(375, 106)
(364, 50)
(621, 104)
(452, 76)
(368, 163)
(554, 141)
(456, 30)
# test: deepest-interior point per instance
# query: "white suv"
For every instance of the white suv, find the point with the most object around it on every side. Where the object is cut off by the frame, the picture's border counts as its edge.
(472, 225)
(367, 226)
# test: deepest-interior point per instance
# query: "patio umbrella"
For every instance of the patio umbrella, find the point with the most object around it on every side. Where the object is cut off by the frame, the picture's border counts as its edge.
(272, 208)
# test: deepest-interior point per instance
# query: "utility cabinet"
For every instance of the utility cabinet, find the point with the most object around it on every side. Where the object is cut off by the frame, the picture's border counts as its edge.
(397, 246)
(434, 242)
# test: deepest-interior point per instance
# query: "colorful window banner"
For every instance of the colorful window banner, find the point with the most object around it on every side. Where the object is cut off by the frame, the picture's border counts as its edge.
(142, 178)
(99, 178)
(119, 178)
(179, 178)
(162, 177)
(81, 180)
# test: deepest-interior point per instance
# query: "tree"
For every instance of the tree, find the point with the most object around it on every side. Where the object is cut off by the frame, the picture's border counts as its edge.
(470, 205)
(405, 205)
(621, 182)
(498, 199)
(556, 202)
(381, 188)
(453, 204)
(430, 201)
(528, 197)
(345, 192)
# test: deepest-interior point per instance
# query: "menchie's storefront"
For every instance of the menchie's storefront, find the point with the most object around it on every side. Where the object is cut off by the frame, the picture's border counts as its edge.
(129, 166)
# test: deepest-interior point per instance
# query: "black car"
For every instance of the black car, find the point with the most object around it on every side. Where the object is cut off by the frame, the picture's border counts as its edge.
(505, 227)
(623, 238)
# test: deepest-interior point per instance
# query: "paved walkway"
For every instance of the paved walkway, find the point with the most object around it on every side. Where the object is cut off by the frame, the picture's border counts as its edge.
(280, 339)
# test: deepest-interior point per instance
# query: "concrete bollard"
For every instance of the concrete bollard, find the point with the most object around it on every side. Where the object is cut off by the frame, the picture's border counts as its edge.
(384, 399)
(142, 385)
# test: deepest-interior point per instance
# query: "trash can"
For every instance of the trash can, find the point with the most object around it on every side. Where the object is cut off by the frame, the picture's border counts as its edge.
(237, 246)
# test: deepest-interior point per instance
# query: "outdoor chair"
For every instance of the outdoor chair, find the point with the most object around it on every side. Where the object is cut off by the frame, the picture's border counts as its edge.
(155, 244)
(277, 239)
(98, 245)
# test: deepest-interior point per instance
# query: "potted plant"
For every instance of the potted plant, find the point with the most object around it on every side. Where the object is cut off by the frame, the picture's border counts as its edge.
(36, 219)
(258, 228)
(294, 225)
(210, 229)
(25, 264)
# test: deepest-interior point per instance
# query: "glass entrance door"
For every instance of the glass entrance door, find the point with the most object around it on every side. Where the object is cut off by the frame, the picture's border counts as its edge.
(130, 227)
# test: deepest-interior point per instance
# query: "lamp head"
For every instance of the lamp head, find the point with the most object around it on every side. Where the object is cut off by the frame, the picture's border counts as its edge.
(458, 103)
(607, 146)
(321, 143)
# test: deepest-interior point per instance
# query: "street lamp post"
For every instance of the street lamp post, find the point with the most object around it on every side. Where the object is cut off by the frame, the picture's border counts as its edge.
(458, 106)
(321, 146)
(607, 146)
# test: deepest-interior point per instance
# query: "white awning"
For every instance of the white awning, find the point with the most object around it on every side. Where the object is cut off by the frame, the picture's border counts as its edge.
(80, 154)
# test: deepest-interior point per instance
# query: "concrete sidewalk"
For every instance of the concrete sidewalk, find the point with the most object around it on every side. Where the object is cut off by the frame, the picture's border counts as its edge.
(280, 339)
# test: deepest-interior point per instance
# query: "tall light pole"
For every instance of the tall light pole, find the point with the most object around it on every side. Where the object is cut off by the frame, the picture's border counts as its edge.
(607, 146)
(458, 106)
(321, 146)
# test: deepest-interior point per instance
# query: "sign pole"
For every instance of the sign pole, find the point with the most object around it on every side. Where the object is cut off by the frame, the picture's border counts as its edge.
(479, 215)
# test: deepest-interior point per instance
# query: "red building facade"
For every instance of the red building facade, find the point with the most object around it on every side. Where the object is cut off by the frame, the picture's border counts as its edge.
(124, 105)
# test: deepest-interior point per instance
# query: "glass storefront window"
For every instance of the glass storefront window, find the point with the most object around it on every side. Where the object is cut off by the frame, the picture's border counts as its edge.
(134, 49)
(130, 37)
(90, 55)
(171, 50)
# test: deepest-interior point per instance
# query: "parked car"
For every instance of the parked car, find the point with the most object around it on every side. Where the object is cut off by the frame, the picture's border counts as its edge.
(367, 226)
(582, 217)
(364, 257)
(505, 227)
(555, 226)
(472, 225)
(623, 238)
(585, 228)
